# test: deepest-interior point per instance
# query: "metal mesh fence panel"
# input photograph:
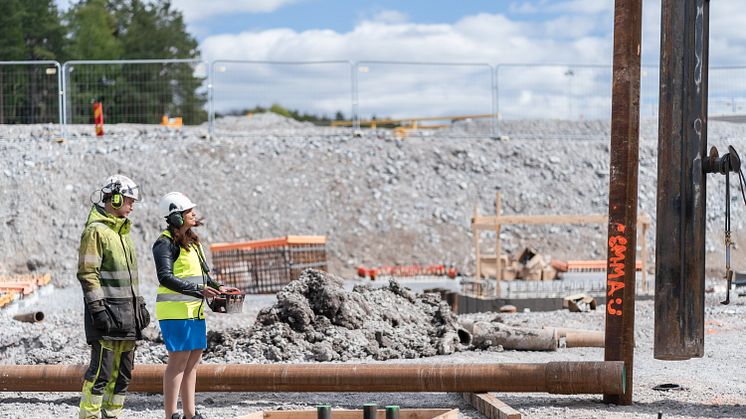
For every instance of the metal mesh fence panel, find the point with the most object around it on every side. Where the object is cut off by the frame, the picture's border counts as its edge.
(136, 91)
(571, 93)
(262, 267)
(727, 93)
(29, 92)
(649, 91)
(554, 92)
(460, 98)
(453, 96)
(320, 91)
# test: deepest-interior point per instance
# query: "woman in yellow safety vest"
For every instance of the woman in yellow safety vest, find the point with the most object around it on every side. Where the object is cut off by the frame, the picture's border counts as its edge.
(179, 308)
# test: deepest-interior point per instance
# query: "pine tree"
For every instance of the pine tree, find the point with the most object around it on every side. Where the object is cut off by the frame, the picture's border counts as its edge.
(11, 49)
(157, 31)
(93, 32)
(36, 92)
(44, 33)
(11, 33)
(29, 30)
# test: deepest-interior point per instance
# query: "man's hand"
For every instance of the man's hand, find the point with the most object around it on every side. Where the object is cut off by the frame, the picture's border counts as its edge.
(223, 288)
(102, 321)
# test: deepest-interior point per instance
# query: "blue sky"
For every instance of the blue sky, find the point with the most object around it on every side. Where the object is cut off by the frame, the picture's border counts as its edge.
(343, 16)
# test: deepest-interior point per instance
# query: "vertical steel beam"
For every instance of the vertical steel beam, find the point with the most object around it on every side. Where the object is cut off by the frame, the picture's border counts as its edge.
(625, 129)
(682, 143)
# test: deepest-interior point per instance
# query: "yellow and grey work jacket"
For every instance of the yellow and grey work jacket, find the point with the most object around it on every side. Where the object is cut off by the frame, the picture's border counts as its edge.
(182, 277)
(107, 271)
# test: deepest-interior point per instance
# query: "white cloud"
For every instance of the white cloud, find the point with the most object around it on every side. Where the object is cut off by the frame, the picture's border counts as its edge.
(390, 16)
(490, 38)
(396, 89)
(195, 10)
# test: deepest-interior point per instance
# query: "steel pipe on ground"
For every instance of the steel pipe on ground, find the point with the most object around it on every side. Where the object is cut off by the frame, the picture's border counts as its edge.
(580, 338)
(33, 317)
(554, 377)
(585, 339)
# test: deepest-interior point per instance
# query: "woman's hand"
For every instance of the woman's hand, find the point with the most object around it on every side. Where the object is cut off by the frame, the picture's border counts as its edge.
(210, 292)
(223, 288)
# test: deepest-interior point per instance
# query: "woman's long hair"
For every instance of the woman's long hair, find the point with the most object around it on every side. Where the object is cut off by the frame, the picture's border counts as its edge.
(187, 238)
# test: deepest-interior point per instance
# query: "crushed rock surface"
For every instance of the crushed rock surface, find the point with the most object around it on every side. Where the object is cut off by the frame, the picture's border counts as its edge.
(712, 386)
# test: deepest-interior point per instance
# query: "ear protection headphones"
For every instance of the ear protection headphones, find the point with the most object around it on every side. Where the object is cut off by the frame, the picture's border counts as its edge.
(175, 219)
(117, 200)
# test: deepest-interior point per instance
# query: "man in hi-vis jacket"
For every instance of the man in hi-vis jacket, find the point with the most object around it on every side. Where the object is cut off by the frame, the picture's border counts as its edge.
(115, 313)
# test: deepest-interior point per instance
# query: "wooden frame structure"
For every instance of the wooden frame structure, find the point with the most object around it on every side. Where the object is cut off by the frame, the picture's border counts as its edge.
(494, 223)
(490, 406)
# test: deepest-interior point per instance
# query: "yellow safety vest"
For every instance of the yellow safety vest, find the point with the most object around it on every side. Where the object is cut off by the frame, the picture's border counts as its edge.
(173, 305)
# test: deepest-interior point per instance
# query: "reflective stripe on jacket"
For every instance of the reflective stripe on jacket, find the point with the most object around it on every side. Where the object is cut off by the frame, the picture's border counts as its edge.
(174, 305)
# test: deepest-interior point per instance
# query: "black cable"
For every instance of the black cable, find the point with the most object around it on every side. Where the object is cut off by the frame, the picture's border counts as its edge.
(742, 185)
(727, 202)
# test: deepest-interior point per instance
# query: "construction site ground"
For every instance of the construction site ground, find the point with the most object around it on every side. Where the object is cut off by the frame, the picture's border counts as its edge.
(712, 386)
(379, 201)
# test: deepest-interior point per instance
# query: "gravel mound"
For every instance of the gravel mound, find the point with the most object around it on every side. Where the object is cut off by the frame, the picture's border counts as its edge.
(378, 199)
(265, 120)
(316, 319)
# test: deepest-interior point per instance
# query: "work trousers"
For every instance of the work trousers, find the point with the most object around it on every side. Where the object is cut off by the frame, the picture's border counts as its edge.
(106, 380)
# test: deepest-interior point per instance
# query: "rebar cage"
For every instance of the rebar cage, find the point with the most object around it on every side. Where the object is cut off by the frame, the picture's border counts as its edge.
(265, 266)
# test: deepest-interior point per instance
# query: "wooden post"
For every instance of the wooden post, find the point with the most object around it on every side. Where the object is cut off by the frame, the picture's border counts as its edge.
(490, 406)
(498, 247)
(623, 168)
(475, 232)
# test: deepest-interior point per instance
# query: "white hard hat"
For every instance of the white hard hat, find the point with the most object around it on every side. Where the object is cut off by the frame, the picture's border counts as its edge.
(122, 185)
(174, 202)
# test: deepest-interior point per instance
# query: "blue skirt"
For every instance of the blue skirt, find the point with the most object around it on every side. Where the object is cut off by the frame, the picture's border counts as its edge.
(184, 335)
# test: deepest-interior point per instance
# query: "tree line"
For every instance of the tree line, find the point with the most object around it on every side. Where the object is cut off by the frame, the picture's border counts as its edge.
(32, 30)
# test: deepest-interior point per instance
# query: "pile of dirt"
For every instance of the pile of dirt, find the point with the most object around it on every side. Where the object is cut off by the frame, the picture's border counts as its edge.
(316, 319)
